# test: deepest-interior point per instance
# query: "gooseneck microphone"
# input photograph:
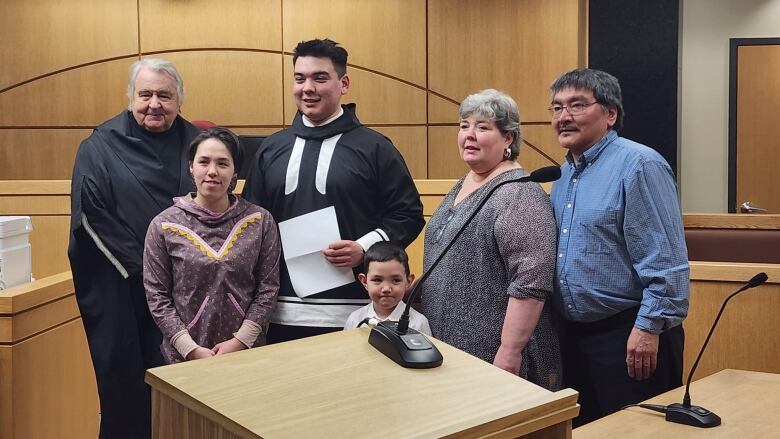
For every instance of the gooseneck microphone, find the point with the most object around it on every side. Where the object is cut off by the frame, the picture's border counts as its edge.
(694, 415)
(408, 347)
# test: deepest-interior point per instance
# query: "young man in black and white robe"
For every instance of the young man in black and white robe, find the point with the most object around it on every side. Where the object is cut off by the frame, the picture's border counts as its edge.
(327, 158)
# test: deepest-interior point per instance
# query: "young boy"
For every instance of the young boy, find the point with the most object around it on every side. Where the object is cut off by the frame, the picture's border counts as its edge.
(386, 280)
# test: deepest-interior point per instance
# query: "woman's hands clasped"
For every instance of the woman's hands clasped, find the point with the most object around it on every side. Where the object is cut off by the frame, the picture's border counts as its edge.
(225, 347)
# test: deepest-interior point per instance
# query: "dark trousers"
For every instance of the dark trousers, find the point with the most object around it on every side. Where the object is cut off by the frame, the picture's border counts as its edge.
(281, 333)
(123, 340)
(594, 364)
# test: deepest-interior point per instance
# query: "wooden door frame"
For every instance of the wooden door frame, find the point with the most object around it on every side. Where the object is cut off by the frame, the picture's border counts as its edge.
(734, 45)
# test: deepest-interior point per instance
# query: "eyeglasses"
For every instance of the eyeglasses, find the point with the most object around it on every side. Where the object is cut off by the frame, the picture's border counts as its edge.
(573, 108)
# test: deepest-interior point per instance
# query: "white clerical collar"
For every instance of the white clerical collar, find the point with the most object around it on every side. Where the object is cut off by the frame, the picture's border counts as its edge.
(310, 124)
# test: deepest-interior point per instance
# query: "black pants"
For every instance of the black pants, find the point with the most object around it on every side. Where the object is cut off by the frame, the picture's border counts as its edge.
(123, 340)
(594, 364)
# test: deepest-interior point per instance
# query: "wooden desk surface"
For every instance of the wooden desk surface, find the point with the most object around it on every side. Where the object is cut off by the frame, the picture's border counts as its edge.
(748, 404)
(337, 385)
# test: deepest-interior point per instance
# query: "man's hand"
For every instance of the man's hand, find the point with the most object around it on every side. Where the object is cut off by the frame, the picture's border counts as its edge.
(228, 346)
(641, 354)
(344, 254)
(200, 352)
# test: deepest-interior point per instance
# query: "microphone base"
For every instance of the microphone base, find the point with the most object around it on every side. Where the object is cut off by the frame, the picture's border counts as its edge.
(694, 415)
(412, 349)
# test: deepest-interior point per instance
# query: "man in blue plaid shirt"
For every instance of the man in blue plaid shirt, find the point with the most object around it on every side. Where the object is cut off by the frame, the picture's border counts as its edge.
(622, 277)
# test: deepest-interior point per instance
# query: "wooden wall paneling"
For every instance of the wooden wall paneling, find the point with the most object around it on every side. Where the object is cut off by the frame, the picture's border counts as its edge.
(86, 96)
(530, 159)
(49, 244)
(34, 187)
(545, 147)
(382, 100)
(35, 205)
(747, 336)
(384, 36)
(443, 156)
(167, 25)
(443, 111)
(48, 35)
(255, 131)
(516, 47)
(288, 100)
(231, 88)
(379, 99)
(412, 143)
(39, 154)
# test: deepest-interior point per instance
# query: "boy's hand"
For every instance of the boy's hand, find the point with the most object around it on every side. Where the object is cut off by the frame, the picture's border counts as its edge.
(344, 253)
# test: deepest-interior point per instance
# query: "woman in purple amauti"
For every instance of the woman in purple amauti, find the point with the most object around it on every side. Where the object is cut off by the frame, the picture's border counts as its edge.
(211, 261)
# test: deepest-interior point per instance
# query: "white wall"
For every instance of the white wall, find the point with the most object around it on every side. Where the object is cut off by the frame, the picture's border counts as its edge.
(706, 26)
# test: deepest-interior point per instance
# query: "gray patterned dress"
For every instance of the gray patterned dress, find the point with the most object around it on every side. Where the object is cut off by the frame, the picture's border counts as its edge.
(507, 250)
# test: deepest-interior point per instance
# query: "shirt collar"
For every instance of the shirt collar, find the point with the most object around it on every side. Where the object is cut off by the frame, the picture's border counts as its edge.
(591, 154)
(310, 124)
(393, 317)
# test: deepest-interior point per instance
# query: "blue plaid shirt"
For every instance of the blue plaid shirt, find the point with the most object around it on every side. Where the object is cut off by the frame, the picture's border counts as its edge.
(620, 237)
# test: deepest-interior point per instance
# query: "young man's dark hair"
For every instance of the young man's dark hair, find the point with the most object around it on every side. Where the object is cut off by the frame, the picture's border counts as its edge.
(386, 251)
(326, 48)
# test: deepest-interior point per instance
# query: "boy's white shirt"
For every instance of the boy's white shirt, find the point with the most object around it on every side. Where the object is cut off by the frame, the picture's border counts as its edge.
(417, 321)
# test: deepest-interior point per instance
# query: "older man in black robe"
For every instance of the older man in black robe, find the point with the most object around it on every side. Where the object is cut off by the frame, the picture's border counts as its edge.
(126, 172)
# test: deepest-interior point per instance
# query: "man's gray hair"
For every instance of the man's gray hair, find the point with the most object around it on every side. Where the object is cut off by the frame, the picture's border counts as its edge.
(156, 65)
(605, 88)
(498, 107)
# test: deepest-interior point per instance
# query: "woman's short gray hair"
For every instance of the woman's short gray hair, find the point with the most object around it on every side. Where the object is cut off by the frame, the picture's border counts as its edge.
(156, 65)
(501, 109)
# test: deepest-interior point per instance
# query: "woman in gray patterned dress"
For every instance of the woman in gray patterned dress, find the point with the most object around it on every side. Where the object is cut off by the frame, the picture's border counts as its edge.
(488, 296)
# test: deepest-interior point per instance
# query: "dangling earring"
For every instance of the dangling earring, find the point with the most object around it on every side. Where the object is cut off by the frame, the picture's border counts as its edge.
(508, 153)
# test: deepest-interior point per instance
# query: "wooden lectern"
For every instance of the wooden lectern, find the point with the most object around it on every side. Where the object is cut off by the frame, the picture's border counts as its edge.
(337, 386)
(747, 402)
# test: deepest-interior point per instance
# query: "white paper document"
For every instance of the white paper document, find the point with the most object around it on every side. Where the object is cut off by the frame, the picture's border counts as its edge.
(303, 239)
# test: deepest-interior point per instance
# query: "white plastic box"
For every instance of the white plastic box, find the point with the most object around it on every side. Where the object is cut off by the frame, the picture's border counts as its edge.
(15, 256)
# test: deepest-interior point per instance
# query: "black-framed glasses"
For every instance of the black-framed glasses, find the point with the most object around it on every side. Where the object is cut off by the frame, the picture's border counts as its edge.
(574, 108)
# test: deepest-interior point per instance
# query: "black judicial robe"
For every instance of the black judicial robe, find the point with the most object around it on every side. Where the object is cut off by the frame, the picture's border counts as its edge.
(123, 177)
(369, 186)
